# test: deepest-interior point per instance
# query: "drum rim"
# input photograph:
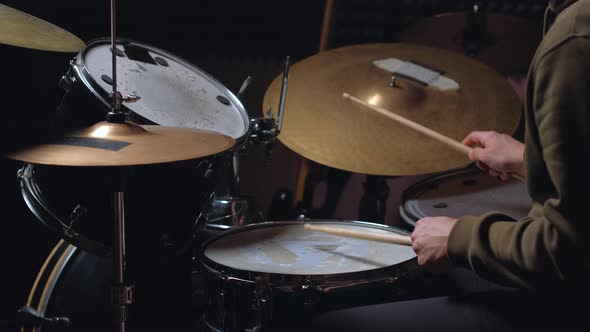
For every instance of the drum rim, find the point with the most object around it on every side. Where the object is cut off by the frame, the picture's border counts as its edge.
(409, 214)
(390, 273)
(48, 277)
(33, 197)
(81, 71)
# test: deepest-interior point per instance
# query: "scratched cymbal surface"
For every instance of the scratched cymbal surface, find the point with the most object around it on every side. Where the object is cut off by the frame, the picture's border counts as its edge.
(324, 127)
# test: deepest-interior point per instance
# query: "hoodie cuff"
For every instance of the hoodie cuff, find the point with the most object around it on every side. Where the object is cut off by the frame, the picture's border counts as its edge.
(459, 240)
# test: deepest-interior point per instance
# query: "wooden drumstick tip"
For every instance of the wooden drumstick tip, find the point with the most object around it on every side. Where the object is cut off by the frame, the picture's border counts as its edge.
(346, 95)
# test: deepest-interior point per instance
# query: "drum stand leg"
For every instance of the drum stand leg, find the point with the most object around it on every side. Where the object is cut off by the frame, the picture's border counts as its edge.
(122, 295)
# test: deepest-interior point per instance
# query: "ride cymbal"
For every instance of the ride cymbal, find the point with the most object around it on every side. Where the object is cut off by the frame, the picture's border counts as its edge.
(506, 43)
(126, 144)
(321, 125)
(21, 29)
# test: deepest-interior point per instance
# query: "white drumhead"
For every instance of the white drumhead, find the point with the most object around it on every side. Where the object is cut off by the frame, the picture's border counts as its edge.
(177, 94)
(467, 193)
(289, 249)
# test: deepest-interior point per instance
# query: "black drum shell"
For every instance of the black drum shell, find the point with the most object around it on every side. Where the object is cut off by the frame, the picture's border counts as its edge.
(73, 284)
(162, 203)
(76, 284)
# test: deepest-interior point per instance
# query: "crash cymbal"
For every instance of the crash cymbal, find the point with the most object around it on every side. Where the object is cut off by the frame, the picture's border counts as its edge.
(128, 144)
(24, 30)
(321, 125)
(506, 43)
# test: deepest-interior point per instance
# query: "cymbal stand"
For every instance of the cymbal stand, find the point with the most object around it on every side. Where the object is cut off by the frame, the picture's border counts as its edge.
(121, 294)
(266, 129)
(475, 37)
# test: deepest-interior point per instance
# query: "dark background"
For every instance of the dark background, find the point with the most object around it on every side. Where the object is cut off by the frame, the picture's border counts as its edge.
(228, 39)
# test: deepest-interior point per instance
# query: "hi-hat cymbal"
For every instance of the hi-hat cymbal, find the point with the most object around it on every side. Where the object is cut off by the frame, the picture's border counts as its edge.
(126, 144)
(322, 126)
(24, 30)
(506, 43)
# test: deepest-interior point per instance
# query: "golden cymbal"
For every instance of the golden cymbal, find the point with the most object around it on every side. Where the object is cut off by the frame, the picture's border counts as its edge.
(321, 125)
(507, 43)
(24, 30)
(126, 144)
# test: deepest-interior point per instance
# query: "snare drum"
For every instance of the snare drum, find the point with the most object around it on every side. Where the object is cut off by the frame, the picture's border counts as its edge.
(258, 276)
(467, 191)
(160, 88)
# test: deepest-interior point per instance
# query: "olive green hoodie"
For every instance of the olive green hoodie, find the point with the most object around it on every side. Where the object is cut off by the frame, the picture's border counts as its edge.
(549, 249)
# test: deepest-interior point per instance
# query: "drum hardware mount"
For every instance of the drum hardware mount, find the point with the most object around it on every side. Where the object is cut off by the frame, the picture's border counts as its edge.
(31, 317)
(243, 87)
(261, 130)
(66, 82)
(266, 129)
(75, 215)
(261, 306)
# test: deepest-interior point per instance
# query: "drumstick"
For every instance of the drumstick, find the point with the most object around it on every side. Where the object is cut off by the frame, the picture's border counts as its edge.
(419, 128)
(389, 238)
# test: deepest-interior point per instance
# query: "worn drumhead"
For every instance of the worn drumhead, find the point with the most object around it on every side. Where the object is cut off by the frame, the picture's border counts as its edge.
(172, 91)
(289, 249)
(463, 192)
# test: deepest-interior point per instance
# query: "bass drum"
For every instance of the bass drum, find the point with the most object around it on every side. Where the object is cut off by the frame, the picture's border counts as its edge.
(160, 87)
(75, 284)
(467, 191)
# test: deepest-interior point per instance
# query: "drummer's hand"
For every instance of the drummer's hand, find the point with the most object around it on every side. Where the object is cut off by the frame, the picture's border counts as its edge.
(498, 154)
(429, 241)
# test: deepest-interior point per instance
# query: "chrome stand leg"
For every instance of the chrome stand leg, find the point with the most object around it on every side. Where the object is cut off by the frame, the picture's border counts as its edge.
(122, 295)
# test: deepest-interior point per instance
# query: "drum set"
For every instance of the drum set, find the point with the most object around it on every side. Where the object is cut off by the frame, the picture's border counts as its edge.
(143, 137)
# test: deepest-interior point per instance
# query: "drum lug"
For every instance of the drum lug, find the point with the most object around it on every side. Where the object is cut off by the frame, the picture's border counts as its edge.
(221, 303)
(309, 290)
(131, 98)
(261, 306)
(23, 173)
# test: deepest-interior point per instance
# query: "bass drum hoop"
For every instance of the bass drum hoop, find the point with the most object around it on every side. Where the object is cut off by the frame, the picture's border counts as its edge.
(47, 279)
(295, 281)
(81, 72)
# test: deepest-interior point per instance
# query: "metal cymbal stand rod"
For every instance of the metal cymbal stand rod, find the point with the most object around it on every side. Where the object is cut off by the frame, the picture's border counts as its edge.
(115, 115)
(121, 294)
